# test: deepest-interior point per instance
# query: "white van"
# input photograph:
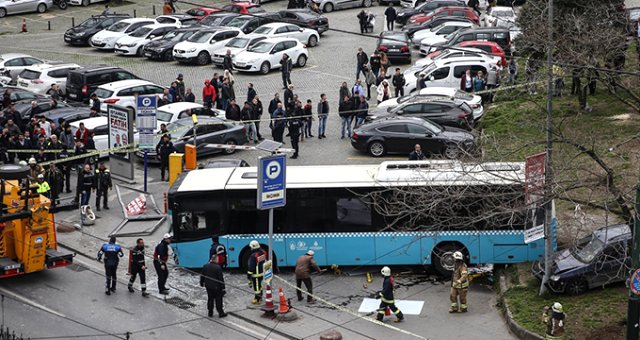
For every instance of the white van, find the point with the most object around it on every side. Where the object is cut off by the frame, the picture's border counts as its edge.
(447, 72)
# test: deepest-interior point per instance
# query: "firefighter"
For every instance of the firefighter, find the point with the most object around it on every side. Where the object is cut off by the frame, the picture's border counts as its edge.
(220, 250)
(459, 284)
(255, 271)
(386, 297)
(35, 170)
(43, 186)
(554, 322)
(138, 266)
(103, 184)
(112, 253)
(160, 258)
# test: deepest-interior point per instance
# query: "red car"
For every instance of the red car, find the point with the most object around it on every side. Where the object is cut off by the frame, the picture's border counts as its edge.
(241, 8)
(447, 11)
(201, 12)
(490, 47)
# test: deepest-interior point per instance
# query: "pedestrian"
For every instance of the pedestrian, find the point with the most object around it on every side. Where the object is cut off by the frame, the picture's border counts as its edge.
(208, 92)
(416, 154)
(475, 4)
(137, 266)
(292, 4)
(6, 99)
(370, 79)
(294, 125)
(233, 111)
(94, 102)
(160, 258)
(212, 279)
(513, 71)
(323, 114)
(362, 111)
(82, 133)
(255, 272)
(383, 91)
(228, 92)
(288, 98)
(257, 111)
(345, 110)
(164, 148)
(219, 249)
(384, 64)
(390, 14)
(66, 169)
(180, 89)
(303, 275)
(248, 117)
(344, 91)
(103, 184)
(479, 84)
(301, 4)
(277, 123)
(362, 20)
(112, 253)
(421, 82)
(386, 297)
(43, 187)
(189, 96)
(398, 82)
(308, 119)
(107, 10)
(361, 60)
(374, 62)
(558, 82)
(87, 183)
(285, 67)
(493, 76)
(55, 92)
(227, 62)
(357, 90)
(466, 81)
(555, 322)
(167, 8)
(56, 180)
(459, 284)
(251, 93)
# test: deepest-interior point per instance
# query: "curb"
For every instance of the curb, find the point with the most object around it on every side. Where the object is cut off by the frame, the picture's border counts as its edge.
(514, 327)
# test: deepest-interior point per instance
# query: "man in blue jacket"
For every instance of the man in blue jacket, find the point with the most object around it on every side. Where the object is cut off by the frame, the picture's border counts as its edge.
(112, 253)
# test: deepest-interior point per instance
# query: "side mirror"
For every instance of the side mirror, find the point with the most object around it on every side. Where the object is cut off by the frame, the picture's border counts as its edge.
(301, 29)
(432, 78)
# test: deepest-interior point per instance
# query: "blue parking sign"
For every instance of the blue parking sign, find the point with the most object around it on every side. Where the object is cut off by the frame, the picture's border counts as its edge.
(272, 191)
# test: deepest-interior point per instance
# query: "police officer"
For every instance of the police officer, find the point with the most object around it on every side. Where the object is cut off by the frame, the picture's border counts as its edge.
(220, 250)
(386, 297)
(137, 266)
(112, 253)
(103, 184)
(163, 150)
(213, 280)
(554, 322)
(459, 284)
(255, 272)
(43, 186)
(295, 125)
(160, 258)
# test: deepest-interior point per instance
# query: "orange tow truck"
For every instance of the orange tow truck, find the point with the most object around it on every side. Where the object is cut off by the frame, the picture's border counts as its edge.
(27, 227)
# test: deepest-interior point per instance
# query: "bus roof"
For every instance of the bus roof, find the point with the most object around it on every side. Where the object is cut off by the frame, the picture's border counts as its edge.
(392, 173)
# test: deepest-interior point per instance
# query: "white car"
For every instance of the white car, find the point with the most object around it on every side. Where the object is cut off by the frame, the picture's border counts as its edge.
(100, 127)
(180, 20)
(84, 2)
(16, 63)
(307, 36)
(199, 47)
(499, 16)
(174, 111)
(39, 78)
(474, 101)
(235, 45)
(440, 31)
(23, 6)
(106, 39)
(266, 55)
(134, 43)
(123, 92)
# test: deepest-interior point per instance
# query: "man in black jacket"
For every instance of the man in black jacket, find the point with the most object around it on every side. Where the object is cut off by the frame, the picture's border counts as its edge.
(257, 114)
(391, 14)
(288, 97)
(227, 63)
(137, 266)
(213, 280)
(233, 111)
(398, 82)
(286, 66)
(361, 60)
(103, 184)
(163, 150)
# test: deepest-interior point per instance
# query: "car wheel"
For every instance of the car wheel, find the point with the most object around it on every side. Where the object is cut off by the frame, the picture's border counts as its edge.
(203, 58)
(42, 8)
(302, 60)
(576, 287)
(85, 3)
(367, 3)
(328, 8)
(442, 257)
(167, 56)
(377, 149)
(139, 52)
(313, 41)
(3, 12)
(265, 67)
(230, 151)
(63, 5)
(451, 151)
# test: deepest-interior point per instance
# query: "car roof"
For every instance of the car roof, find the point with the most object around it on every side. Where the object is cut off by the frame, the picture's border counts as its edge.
(277, 24)
(91, 123)
(177, 16)
(112, 15)
(483, 29)
(43, 67)
(438, 90)
(134, 20)
(244, 4)
(93, 68)
(6, 56)
(179, 107)
(612, 232)
(457, 23)
(397, 119)
(124, 83)
(461, 59)
(154, 26)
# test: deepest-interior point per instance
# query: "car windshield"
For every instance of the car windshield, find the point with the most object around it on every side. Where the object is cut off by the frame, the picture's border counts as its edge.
(587, 249)
(141, 32)
(165, 20)
(89, 22)
(502, 13)
(261, 47)
(263, 30)
(118, 27)
(164, 116)
(179, 128)
(237, 42)
(433, 126)
(102, 93)
(200, 37)
(238, 22)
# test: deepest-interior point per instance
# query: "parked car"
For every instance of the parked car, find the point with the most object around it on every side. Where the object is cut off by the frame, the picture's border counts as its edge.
(499, 35)
(235, 45)
(70, 114)
(200, 12)
(439, 33)
(474, 101)
(133, 44)
(217, 19)
(242, 7)
(162, 48)
(396, 45)
(19, 94)
(44, 105)
(602, 258)
(499, 16)
(448, 72)
(16, 63)
(106, 39)
(491, 47)
(433, 22)
(8, 7)
(123, 92)
(178, 20)
(450, 112)
(84, 81)
(305, 18)
(82, 34)
(455, 52)
(84, 3)
(172, 112)
(249, 23)
(306, 36)
(447, 11)
(328, 6)
(265, 55)
(38, 78)
(405, 13)
(398, 135)
(199, 47)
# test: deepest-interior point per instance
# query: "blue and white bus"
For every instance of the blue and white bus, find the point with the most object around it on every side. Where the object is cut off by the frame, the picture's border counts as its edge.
(347, 214)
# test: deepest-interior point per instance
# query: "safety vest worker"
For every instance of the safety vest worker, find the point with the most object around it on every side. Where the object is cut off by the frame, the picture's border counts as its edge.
(554, 322)
(386, 297)
(459, 285)
(255, 270)
(43, 186)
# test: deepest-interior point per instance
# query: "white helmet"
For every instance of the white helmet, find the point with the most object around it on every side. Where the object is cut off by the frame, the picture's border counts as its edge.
(40, 176)
(557, 307)
(386, 271)
(310, 252)
(254, 244)
(32, 161)
(458, 256)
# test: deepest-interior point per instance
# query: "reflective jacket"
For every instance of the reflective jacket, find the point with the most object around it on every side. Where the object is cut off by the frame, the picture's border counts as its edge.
(460, 277)
(386, 294)
(256, 263)
(136, 258)
(43, 187)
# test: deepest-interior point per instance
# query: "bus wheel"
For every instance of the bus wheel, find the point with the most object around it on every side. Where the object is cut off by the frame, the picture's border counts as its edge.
(442, 257)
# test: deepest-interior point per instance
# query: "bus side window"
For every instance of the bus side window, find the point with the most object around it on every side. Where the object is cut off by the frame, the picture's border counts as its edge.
(348, 212)
(307, 210)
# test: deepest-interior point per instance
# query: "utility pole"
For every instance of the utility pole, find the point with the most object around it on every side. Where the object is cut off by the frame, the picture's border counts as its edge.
(633, 311)
(548, 171)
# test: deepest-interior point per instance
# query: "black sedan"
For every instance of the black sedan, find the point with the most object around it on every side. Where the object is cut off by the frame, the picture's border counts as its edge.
(44, 105)
(396, 45)
(601, 258)
(443, 111)
(431, 23)
(81, 34)
(217, 19)
(162, 48)
(305, 18)
(400, 135)
(70, 114)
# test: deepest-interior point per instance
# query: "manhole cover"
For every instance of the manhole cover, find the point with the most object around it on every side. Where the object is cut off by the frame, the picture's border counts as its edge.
(180, 303)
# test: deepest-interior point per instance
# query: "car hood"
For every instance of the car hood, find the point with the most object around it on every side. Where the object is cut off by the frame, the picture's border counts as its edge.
(433, 40)
(161, 44)
(388, 103)
(78, 29)
(246, 56)
(564, 261)
(457, 134)
(187, 45)
(129, 39)
(406, 12)
(104, 34)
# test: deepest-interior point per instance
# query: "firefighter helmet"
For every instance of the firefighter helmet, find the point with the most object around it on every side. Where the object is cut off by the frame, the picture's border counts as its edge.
(254, 244)
(32, 161)
(557, 307)
(457, 256)
(386, 271)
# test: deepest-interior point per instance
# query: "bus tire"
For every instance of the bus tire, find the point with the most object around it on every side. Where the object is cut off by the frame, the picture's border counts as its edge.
(442, 257)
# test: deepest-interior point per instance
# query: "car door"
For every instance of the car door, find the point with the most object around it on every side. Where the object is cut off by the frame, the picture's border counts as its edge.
(127, 96)
(419, 134)
(153, 89)
(15, 66)
(276, 54)
(296, 33)
(395, 138)
(612, 264)
(410, 110)
(212, 134)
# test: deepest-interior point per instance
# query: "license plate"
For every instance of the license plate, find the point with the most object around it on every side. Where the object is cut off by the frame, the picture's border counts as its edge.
(241, 64)
(73, 95)
(147, 54)
(23, 84)
(217, 60)
(394, 50)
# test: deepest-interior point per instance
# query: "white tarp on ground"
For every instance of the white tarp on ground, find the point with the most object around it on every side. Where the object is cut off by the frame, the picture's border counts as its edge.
(408, 307)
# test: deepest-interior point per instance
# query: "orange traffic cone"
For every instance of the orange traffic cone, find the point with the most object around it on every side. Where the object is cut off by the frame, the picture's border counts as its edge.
(24, 26)
(387, 311)
(268, 307)
(284, 308)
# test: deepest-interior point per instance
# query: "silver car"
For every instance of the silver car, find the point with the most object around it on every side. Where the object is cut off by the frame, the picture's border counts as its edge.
(330, 5)
(24, 6)
(16, 62)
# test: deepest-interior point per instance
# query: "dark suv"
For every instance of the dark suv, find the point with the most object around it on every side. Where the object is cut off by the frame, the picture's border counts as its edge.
(248, 23)
(406, 13)
(81, 34)
(83, 81)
